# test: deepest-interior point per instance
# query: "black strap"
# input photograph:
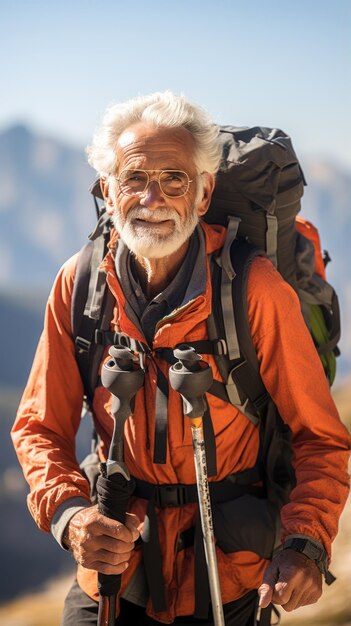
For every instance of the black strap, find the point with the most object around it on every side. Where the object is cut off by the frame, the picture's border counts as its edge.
(161, 418)
(208, 346)
(335, 329)
(210, 443)
(153, 559)
(266, 616)
(202, 586)
(88, 354)
(80, 287)
(232, 487)
(82, 326)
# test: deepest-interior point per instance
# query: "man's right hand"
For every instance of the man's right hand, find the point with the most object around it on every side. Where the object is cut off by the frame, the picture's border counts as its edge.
(100, 543)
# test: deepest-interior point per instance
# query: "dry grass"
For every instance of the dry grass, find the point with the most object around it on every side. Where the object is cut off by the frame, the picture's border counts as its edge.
(43, 608)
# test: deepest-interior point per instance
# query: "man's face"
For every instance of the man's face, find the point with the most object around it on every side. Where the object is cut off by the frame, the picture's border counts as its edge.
(152, 224)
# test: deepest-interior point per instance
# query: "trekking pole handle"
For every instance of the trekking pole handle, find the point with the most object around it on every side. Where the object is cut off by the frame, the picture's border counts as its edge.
(123, 377)
(191, 377)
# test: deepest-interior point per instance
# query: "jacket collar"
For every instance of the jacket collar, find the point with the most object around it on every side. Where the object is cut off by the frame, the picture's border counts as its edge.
(172, 329)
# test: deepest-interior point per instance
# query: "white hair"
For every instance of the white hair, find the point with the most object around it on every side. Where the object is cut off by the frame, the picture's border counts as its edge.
(161, 109)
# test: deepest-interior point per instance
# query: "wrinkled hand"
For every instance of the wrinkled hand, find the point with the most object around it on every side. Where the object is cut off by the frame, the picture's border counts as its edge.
(291, 580)
(100, 543)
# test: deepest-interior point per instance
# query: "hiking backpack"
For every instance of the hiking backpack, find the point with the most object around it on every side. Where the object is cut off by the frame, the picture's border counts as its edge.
(257, 197)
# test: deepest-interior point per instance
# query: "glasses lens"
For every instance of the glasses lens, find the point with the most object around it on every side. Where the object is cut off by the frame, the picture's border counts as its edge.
(174, 183)
(132, 181)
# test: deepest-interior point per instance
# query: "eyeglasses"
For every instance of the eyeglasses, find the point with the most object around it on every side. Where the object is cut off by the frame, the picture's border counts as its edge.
(173, 183)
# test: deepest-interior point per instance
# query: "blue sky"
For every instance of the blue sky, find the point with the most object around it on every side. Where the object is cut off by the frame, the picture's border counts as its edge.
(266, 62)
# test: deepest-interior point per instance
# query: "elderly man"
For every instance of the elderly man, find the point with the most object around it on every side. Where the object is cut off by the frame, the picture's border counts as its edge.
(157, 158)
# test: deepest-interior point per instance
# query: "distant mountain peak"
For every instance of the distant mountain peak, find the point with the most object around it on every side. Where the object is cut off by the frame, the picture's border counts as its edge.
(18, 131)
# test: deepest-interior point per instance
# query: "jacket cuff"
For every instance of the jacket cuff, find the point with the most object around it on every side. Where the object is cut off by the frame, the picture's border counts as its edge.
(312, 540)
(62, 516)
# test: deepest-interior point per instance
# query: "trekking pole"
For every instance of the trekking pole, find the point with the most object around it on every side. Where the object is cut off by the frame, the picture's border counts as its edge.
(122, 376)
(192, 378)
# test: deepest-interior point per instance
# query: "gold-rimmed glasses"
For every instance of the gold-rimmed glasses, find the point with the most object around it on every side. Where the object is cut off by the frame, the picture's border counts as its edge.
(172, 183)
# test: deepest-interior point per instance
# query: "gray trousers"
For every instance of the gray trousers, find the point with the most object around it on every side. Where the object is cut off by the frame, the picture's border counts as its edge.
(80, 610)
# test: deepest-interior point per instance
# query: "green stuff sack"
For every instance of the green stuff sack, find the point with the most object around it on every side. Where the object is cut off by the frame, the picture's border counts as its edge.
(319, 302)
(321, 337)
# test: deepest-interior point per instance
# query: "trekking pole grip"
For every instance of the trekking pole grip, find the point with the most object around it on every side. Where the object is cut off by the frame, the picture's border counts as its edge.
(122, 376)
(191, 377)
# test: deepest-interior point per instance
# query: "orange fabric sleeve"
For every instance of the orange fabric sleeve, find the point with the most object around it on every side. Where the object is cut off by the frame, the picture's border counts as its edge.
(293, 375)
(49, 413)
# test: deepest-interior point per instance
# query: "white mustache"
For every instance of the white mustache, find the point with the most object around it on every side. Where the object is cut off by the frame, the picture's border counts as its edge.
(155, 215)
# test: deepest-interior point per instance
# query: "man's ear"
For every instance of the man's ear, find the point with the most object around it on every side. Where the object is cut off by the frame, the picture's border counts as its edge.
(208, 183)
(104, 184)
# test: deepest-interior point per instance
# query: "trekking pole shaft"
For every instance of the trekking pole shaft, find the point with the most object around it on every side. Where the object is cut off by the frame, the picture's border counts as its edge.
(206, 519)
(107, 610)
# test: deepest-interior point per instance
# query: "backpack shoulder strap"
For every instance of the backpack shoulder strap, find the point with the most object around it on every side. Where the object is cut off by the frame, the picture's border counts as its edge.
(239, 367)
(92, 306)
(246, 372)
(81, 286)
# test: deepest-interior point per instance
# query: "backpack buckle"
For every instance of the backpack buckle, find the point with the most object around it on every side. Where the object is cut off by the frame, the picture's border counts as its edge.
(169, 496)
(83, 345)
(221, 347)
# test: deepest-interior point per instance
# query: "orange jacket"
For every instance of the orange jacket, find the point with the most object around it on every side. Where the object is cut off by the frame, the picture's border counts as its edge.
(49, 417)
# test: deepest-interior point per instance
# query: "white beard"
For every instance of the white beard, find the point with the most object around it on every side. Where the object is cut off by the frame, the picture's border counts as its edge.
(151, 242)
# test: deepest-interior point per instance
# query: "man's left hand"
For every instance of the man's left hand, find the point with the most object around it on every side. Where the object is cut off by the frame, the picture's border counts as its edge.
(291, 580)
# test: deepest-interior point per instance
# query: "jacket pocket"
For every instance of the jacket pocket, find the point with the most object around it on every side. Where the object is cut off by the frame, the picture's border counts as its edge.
(246, 523)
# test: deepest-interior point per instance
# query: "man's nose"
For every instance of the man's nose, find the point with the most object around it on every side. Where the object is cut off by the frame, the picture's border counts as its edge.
(152, 197)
